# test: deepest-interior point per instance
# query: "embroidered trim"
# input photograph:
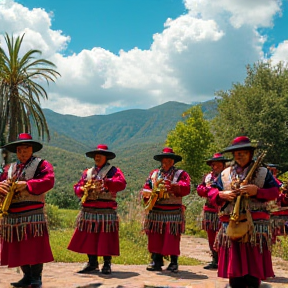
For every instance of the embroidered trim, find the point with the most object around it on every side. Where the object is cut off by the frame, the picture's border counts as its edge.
(210, 221)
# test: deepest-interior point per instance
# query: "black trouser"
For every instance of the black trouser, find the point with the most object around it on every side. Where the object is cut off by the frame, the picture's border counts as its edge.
(93, 259)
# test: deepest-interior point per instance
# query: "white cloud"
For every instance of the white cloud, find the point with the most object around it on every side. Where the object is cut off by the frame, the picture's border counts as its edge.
(280, 53)
(198, 53)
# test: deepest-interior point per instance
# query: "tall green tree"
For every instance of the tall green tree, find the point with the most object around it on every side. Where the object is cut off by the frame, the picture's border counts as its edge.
(193, 140)
(21, 90)
(257, 108)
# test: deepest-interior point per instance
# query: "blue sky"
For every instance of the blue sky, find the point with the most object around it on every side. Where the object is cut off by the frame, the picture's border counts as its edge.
(116, 55)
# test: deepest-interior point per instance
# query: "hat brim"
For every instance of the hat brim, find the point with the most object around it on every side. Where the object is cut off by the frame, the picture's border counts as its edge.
(176, 158)
(239, 147)
(109, 154)
(12, 147)
(220, 159)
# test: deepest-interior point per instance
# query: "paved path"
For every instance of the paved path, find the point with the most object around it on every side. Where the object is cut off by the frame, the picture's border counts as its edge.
(62, 275)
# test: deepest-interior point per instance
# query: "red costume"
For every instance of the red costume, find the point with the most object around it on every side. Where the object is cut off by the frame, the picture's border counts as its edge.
(245, 263)
(166, 221)
(97, 232)
(24, 234)
(210, 222)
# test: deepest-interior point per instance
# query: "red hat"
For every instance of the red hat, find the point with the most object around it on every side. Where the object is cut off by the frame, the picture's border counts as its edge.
(168, 152)
(101, 149)
(217, 157)
(23, 138)
(240, 143)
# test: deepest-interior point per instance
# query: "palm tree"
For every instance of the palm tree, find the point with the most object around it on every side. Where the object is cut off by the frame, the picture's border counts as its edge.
(20, 91)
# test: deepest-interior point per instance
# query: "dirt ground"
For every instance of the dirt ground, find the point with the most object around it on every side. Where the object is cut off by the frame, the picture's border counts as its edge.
(62, 275)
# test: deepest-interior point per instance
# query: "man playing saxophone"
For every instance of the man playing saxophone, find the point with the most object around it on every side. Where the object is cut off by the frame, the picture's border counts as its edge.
(247, 260)
(165, 220)
(97, 232)
(23, 228)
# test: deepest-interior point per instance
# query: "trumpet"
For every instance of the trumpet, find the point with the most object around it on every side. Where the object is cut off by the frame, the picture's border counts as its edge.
(8, 199)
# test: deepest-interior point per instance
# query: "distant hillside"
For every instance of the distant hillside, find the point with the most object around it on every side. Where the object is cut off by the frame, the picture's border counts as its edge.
(134, 135)
(121, 129)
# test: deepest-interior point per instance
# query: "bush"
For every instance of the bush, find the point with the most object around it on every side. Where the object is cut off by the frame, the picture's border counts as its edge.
(53, 216)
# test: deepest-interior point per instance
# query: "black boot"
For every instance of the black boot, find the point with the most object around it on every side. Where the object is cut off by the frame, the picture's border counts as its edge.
(214, 263)
(26, 280)
(237, 282)
(157, 262)
(251, 281)
(173, 266)
(92, 265)
(36, 275)
(106, 269)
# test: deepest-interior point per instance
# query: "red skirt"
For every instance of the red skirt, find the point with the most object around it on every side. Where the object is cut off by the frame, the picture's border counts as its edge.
(241, 259)
(99, 243)
(29, 251)
(165, 244)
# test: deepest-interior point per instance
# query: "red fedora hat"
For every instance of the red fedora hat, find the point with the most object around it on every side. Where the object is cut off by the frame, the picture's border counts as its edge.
(168, 152)
(217, 157)
(240, 143)
(23, 138)
(101, 149)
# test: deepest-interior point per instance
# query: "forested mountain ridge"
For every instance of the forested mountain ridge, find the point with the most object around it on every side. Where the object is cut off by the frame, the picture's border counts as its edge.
(134, 135)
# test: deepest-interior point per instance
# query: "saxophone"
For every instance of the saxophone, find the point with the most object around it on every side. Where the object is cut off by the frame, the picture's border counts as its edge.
(8, 199)
(159, 192)
(236, 211)
(91, 187)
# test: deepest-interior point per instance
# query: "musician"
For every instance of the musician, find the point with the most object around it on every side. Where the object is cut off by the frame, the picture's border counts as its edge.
(165, 221)
(24, 235)
(97, 224)
(247, 260)
(279, 215)
(210, 222)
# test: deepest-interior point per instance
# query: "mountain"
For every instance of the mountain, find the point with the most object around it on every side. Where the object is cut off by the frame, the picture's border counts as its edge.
(135, 136)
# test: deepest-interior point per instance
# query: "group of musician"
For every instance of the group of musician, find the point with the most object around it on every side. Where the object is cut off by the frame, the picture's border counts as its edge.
(245, 260)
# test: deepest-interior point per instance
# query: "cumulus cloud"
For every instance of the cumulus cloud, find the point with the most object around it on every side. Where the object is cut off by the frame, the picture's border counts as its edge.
(196, 54)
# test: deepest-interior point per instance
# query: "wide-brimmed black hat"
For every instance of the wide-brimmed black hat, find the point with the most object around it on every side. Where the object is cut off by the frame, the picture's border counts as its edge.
(217, 157)
(101, 149)
(23, 138)
(240, 143)
(168, 152)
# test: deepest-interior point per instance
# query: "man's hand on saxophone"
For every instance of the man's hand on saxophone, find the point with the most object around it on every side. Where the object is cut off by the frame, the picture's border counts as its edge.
(248, 190)
(4, 188)
(228, 195)
(20, 186)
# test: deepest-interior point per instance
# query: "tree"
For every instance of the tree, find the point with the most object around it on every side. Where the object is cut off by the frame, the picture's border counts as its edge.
(257, 108)
(20, 90)
(192, 140)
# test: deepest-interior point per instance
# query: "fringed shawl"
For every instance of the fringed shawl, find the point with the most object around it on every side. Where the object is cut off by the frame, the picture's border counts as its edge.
(210, 221)
(157, 221)
(20, 226)
(94, 220)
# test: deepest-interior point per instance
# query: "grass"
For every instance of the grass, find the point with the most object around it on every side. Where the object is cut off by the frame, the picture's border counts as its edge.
(133, 243)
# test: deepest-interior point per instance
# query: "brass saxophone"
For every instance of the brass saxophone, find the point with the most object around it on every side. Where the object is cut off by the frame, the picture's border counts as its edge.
(159, 192)
(8, 199)
(236, 211)
(91, 186)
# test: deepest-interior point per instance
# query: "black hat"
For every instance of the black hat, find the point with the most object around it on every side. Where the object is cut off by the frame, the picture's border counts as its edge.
(23, 138)
(168, 152)
(101, 149)
(240, 143)
(217, 157)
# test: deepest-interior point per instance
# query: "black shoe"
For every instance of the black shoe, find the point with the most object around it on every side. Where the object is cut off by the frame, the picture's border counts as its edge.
(173, 267)
(211, 266)
(36, 283)
(23, 283)
(89, 268)
(154, 267)
(106, 269)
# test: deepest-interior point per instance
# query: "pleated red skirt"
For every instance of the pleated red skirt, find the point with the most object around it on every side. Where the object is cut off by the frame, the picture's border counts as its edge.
(100, 243)
(30, 251)
(165, 244)
(242, 259)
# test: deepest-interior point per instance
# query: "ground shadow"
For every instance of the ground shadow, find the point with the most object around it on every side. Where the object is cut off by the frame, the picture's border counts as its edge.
(119, 275)
(183, 274)
(277, 280)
